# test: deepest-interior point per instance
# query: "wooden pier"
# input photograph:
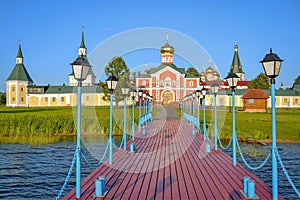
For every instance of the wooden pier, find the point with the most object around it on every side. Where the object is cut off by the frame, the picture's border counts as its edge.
(171, 163)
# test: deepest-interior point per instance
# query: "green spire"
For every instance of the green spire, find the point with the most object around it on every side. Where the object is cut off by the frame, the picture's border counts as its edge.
(236, 66)
(82, 45)
(19, 73)
(19, 55)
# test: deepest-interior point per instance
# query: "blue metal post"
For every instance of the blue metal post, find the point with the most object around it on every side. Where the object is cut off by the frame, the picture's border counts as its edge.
(124, 134)
(110, 129)
(198, 102)
(204, 119)
(78, 163)
(146, 111)
(132, 124)
(215, 122)
(274, 161)
(233, 130)
(140, 113)
(193, 128)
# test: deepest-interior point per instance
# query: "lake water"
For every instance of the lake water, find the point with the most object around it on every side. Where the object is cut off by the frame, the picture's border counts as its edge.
(38, 172)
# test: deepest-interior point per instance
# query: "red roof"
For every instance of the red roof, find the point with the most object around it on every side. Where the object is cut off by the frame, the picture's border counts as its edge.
(255, 94)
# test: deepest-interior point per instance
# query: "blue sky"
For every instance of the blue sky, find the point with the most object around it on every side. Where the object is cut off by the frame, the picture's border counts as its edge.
(50, 32)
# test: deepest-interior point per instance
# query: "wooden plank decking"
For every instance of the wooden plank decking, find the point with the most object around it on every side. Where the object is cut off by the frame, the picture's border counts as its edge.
(171, 163)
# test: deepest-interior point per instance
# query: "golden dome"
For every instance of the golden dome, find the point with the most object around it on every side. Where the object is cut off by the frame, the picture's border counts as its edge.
(167, 48)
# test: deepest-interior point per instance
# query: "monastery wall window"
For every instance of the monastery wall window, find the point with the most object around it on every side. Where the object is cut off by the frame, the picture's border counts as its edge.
(173, 83)
(161, 83)
(168, 83)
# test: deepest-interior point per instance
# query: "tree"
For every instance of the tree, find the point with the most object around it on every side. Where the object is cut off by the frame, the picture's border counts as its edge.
(260, 82)
(2, 98)
(192, 70)
(117, 67)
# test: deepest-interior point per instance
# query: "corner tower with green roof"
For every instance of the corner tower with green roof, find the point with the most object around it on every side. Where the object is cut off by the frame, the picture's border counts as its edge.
(236, 66)
(90, 79)
(17, 83)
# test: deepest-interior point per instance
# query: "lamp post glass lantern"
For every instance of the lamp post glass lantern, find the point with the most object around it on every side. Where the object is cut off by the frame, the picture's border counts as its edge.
(271, 64)
(112, 84)
(81, 68)
(232, 80)
(125, 91)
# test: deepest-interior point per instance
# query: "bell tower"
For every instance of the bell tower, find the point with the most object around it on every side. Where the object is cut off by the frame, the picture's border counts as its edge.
(167, 53)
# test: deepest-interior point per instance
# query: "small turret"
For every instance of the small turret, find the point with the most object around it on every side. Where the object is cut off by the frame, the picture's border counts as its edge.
(167, 53)
(236, 66)
(82, 48)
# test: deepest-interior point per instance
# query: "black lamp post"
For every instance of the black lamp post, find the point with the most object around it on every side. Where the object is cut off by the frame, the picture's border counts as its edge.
(111, 84)
(232, 80)
(81, 69)
(272, 64)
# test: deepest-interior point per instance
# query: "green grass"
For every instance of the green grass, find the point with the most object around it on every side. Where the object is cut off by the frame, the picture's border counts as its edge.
(257, 126)
(48, 125)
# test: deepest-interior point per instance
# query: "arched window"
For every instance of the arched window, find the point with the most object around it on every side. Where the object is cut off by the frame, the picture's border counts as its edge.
(144, 83)
(161, 83)
(191, 83)
(173, 83)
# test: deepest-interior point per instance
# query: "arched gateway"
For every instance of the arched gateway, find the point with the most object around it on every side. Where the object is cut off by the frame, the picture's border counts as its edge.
(167, 97)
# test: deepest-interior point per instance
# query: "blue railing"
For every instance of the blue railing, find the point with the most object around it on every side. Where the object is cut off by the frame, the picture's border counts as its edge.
(191, 119)
(145, 118)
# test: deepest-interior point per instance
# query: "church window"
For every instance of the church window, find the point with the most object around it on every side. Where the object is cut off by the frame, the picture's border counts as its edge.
(62, 99)
(87, 98)
(13, 89)
(143, 83)
(161, 83)
(22, 99)
(173, 82)
(168, 83)
(251, 101)
(46, 99)
(22, 89)
(13, 99)
(191, 83)
(53, 99)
